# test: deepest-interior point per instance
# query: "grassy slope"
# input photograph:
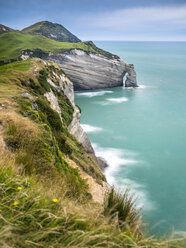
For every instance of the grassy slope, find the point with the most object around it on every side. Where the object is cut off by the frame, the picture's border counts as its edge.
(13, 42)
(43, 201)
(16, 77)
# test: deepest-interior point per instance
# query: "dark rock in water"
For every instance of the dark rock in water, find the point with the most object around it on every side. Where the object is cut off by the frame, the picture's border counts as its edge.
(99, 160)
(52, 31)
(102, 163)
(131, 77)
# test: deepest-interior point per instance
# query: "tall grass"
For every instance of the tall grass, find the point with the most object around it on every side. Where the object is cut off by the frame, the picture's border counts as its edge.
(30, 217)
(121, 207)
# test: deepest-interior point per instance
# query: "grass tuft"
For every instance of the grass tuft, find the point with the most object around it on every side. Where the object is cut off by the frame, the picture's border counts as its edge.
(121, 207)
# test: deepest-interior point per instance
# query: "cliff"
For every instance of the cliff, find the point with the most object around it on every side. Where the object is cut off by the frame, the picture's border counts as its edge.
(90, 70)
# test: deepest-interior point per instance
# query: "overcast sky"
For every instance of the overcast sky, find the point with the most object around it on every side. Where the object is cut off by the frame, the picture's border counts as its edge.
(136, 20)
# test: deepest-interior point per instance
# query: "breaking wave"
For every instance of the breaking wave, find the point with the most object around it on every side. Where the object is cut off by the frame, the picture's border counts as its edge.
(90, 129)
(117, 100)
(117, 158)
(92, 94)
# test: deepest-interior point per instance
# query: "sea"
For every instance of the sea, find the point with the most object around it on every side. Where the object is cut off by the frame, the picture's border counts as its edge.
(141, 132)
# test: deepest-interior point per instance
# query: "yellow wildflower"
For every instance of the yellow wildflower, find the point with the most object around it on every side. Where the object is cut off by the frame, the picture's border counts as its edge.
(19, 188)
(15, 203)
(55, 200)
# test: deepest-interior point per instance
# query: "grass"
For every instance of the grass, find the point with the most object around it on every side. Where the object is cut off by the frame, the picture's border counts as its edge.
(16, 66)
(12, 43)
(9, 78)
(120, 207)
(16, 81)
(36, 152)
(44, 202)
(33, 215)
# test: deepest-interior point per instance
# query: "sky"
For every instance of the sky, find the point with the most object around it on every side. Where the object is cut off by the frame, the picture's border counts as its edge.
(125, 20)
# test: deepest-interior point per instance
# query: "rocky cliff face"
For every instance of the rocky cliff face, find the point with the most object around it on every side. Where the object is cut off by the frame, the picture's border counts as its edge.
(74, 128)
(77, 131)
(94, 71)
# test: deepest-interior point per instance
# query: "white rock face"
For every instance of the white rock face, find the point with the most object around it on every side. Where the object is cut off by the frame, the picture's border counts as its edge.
(89, 70)
(74, 128)
(64, 84)
(92, 71)
(77, 131)
(67, 87)
(53, 102)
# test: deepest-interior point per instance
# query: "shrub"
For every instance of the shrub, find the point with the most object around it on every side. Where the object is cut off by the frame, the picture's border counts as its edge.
(49, 115)
(43, 80)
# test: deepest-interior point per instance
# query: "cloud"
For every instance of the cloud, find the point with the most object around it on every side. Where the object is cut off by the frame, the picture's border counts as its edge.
(147, 21)
(139, 16)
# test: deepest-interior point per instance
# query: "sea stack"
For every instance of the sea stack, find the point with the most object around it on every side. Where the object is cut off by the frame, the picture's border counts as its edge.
(131, 77)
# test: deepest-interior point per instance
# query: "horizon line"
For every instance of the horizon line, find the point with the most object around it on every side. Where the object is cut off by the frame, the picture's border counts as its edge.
(141, 40)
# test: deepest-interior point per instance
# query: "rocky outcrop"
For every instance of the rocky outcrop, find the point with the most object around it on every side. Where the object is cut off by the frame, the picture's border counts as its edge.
(77, 131)
(65, 85)
(131, 77)
(93, 71)
(53, 102)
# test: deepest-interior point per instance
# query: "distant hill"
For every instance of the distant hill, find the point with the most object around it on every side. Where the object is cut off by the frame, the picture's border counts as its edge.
(5, 29)
(51, 30)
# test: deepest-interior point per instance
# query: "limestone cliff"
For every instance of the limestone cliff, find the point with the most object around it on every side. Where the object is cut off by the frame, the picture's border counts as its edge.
(66, 86)
(75, 129)
(94, 71)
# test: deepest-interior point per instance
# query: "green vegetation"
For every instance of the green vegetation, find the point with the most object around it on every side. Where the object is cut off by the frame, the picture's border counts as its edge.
(44, 199)
(16, 66)
(34, 216)
(12, 43)
(121, 206)
(40, 111)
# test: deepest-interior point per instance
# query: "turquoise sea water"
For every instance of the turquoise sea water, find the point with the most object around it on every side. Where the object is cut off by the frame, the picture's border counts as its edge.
(142, 132)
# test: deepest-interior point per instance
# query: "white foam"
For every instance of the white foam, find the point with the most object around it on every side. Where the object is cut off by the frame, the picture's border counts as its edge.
(90, 129)
(180, 233)
(139, 191)
(118, 100)
(117, 158)
(142, 86)
(92, 94)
